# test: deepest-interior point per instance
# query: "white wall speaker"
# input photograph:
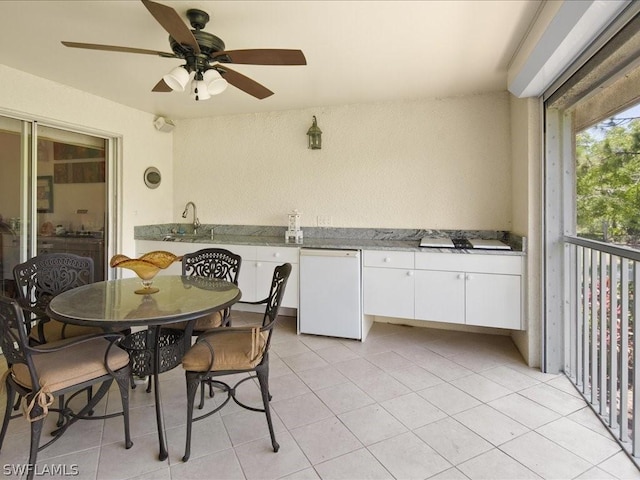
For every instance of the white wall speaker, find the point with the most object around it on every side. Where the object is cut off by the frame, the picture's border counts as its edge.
(163, 124)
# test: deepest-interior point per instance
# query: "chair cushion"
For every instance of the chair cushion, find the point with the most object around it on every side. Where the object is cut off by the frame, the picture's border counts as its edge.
(213, 320)
(72, 365)
(53, 331)
(234, 349)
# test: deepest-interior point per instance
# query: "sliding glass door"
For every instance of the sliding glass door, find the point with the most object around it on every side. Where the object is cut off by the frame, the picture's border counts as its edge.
(592, 222)
(71, 205)
(15, 148)
(53, 195)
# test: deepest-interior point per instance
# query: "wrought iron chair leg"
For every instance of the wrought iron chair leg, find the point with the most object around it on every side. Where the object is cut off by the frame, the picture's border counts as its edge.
(84, 411)
(201, 406)
(7, 412)
(263, 376)
(60, 421)
(123, 383)
(211, 392)
(89, 396)
(193, 381)
(36, 431)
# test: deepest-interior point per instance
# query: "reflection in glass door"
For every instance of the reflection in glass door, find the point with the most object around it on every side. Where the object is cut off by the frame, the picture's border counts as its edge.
(53, 201)
(71, 195)
(15, 141)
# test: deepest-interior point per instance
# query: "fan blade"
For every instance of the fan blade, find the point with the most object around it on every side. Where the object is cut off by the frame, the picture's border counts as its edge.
(113, 48)
(243, 83)
(172, 23)
(261, 56)
(162, 86)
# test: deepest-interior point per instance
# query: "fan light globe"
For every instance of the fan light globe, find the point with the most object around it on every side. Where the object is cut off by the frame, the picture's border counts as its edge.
(202, 91)
(177, 79)
(216, 84)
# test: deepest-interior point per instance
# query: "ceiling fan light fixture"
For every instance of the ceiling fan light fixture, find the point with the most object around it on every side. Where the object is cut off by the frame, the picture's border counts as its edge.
(217, 86)
(199, 50)
(177, 79)
(200, 90)
(215, 83)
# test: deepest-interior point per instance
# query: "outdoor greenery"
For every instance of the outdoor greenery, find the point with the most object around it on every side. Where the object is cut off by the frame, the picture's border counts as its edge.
(608, 182)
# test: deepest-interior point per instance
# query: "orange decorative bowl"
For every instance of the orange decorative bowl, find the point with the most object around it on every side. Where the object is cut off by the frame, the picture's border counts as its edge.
(146, 267)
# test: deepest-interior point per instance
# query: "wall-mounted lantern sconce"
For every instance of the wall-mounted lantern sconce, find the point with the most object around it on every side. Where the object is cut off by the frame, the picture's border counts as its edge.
(315, 136)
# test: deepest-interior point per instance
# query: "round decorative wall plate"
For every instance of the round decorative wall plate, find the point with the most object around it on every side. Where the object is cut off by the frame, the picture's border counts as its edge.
(152, 177)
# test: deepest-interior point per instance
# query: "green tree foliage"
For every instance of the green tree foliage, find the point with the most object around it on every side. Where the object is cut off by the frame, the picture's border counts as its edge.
(608, 183)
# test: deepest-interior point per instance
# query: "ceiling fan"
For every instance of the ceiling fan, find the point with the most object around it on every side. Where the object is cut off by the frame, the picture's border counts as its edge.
(205, 56)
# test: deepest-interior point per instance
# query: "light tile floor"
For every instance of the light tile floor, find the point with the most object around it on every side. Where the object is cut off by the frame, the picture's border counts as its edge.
(408, 403)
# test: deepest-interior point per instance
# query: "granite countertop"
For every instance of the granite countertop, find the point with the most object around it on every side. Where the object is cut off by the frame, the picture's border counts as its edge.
(321, 237)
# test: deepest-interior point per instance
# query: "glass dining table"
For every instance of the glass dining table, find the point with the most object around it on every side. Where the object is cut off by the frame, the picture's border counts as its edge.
(114, 305)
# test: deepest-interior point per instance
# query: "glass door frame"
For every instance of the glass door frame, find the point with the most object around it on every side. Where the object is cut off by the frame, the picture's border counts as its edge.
(28, 178)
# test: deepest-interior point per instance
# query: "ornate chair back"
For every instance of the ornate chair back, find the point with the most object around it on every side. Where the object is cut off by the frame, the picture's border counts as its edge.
(212, 263)
(41, 278)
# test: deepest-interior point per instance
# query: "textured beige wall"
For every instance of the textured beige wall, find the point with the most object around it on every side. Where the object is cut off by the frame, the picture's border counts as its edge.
(527, 217)
(520, 177)
(142, 145)
(436, 163)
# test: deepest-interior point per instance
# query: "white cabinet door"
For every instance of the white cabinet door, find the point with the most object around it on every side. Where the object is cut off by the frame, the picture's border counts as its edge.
(268, 258)
(388, 292)
(494, 300)
(248, 269)
(290, 298)
(264, 275)
(440, 296)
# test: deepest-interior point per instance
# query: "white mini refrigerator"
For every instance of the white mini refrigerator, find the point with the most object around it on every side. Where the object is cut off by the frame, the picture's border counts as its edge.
(330, 293)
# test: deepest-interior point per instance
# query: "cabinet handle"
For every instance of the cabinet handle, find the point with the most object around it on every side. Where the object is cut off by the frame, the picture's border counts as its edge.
(387, 260)
(258, 264)
(460, 276)
(277, 254)
(410, 273)
(469, 277)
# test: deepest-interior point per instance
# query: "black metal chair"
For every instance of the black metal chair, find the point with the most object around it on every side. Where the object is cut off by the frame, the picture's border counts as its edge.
(41, 372)
(41, 278)
(227, 351)
(212, 263)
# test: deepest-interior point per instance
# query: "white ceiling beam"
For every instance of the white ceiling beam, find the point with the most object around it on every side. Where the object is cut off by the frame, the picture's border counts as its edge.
(560, 34)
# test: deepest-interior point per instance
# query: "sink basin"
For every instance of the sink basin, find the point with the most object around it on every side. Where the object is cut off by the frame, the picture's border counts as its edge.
(172, 237)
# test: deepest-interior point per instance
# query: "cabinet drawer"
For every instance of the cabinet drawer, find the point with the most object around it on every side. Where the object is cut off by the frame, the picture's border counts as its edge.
(388, 259)
(247, 252)
(508, 264)
(177, 248)
(278, 254)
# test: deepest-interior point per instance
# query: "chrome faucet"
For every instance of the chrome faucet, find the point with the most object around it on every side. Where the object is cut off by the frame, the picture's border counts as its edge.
(196, 222)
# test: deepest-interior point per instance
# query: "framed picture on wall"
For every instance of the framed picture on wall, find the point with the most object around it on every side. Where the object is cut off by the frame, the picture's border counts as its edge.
(45, 194)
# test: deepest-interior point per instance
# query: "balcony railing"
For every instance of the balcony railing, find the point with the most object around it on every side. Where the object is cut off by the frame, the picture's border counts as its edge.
(601, 334)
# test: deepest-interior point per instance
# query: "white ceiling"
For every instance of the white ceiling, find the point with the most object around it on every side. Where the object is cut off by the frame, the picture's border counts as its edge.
(357, 51)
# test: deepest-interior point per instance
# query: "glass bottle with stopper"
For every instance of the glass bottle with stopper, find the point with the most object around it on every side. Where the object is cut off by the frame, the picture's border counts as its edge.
(293, 231)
